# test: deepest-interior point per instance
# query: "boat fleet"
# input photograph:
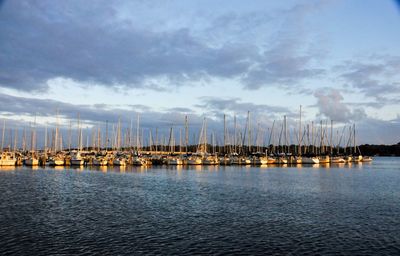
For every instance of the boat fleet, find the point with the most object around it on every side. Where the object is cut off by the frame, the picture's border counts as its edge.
(144, 158)
(313, 147)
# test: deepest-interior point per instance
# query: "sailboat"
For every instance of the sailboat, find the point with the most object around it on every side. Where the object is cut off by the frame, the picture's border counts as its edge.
(7, 159)
(32, 160)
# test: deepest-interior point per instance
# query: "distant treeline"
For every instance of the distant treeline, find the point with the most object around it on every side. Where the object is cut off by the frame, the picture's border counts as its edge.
(380, 150)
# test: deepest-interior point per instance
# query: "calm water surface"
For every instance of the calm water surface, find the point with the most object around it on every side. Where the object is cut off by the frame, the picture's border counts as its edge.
(349, 210)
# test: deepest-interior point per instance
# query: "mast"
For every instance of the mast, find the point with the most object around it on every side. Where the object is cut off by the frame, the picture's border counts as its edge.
(186, 134)
(45, 141)
(56, 135)
(271, 137)
(331, 139)
(354, 138)
(249, 132)
(224, 134)
(156, 140)
(180, 140)
(23, 140)
(312, 138)
(69, 135)
(137, 133)
(2, 137)
(205, 135)
(15, 139)
(285, 138)
(234, 133)
(300, 138)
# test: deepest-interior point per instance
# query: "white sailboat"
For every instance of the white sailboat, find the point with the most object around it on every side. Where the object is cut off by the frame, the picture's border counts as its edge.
(7, 159)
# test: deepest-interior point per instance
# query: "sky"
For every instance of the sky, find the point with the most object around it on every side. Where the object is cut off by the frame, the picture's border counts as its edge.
(104, 61)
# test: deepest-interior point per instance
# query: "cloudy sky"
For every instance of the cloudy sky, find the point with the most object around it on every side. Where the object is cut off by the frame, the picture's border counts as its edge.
(110, 60)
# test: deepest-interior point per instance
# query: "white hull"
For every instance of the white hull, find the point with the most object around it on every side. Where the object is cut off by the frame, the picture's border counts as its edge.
(366, 159)
(77, 162)
(195, 161)
(57, 162)
(10, 162)
(337, 160)
(174, 161)
(7, 159)
(99, 162)
(309, 160)
(119, 162)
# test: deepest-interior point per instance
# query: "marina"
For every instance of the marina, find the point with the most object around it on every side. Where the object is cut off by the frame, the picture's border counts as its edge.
(305, 144)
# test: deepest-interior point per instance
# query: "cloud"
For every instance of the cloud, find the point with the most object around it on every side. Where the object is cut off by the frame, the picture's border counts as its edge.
(376, 77)
(330, 104)
(92, 44)
(216, 107)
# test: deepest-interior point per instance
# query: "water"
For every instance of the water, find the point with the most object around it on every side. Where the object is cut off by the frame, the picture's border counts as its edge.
(349, 210)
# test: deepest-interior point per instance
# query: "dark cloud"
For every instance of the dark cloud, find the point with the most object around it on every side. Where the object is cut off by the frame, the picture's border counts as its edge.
(89, 43)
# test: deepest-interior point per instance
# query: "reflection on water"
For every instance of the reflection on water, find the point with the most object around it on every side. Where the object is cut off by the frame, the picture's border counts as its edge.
(58, 168)
(7, 168)
(347, 209)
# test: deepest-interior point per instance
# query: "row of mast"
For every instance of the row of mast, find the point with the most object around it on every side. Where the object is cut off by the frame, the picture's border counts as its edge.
(240, 142)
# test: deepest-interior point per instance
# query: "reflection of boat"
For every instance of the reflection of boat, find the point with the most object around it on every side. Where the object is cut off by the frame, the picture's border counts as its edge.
(7, 159)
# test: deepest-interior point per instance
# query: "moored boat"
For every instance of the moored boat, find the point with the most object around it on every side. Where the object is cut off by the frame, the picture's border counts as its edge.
(7, 159)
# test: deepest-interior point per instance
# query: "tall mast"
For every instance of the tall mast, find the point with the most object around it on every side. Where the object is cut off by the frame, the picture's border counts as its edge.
(137, 133)
(180, 140)
(69, 135)
(131, 134)
(234, 133)
(331, 143)
(186, 134)
(23, 140)
(285, 127)
(56, 135)
(224, 134)
(79, 135)
(300, 138)
(156, 139)
(45, 141)
(2, 137)
(205, 135)
(354, 138)
(15, 139)
(249, 132)
(312, 137)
